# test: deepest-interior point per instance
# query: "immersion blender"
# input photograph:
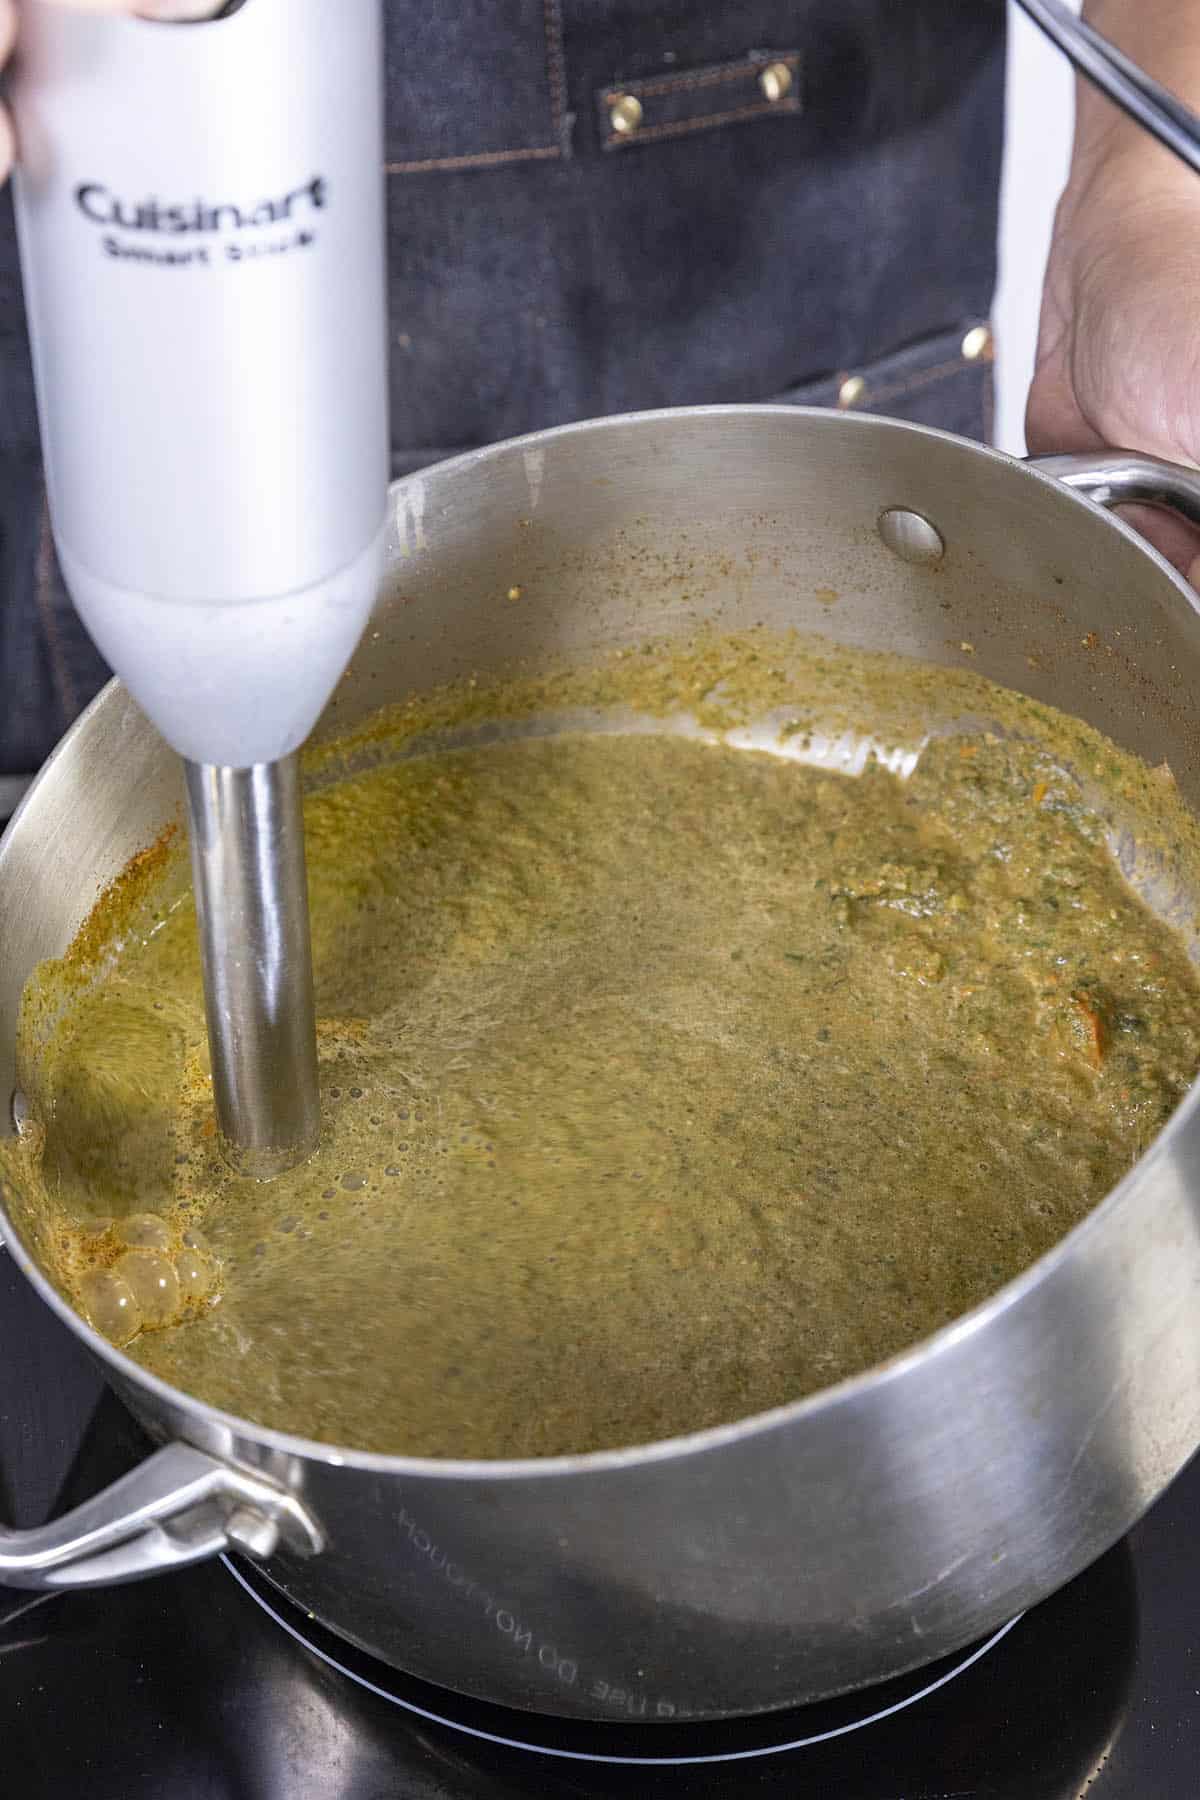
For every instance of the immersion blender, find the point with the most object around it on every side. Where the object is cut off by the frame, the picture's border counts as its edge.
(200, 217)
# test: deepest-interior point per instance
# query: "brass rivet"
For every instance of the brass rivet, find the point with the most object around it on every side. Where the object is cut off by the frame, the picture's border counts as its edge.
(775, 81)
(851, 391)
(977, 344)
(625, 114)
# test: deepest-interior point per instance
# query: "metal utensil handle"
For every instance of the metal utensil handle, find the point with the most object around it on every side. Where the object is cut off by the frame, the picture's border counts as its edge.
(1153, 107)
(178, 1507)
(1126, 478)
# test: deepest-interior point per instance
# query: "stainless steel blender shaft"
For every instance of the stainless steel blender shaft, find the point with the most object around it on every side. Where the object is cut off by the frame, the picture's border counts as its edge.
(251, 889)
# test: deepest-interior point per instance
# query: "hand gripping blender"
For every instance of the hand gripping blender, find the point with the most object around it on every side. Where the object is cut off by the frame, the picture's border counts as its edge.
(200, 214)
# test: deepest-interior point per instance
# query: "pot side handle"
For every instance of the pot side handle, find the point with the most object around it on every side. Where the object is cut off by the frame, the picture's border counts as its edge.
(178, 1507)
(1127, 478)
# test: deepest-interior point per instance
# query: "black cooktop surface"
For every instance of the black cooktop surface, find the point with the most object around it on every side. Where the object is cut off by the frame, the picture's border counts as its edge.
(195, 1686)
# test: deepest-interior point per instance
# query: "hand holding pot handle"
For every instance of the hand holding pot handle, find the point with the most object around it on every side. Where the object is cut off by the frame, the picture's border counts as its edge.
(180, 1506)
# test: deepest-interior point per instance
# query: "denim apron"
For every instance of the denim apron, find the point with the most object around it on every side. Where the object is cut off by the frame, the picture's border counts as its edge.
(597, 206)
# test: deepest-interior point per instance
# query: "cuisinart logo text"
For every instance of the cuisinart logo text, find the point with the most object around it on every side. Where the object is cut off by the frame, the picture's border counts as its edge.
(193, 219)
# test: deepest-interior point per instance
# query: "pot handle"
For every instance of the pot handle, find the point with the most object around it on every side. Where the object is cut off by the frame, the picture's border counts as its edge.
(178, 1507)
(1127, 478)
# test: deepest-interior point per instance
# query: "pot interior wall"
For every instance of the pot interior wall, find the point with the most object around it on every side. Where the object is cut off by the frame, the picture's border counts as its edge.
(737, 517)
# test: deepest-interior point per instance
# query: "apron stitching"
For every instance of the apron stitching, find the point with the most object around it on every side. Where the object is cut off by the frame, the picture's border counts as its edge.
(678, 127)
(872, 397)
(67, 698)
(552, 26)
(701, 78)
(681, 83)
(478, 160)
(556, 74)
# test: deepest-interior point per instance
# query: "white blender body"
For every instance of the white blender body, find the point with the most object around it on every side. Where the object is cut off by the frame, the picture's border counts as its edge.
(200, 212)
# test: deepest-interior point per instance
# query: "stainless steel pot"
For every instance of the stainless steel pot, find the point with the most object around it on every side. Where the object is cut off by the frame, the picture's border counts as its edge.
(874, 1526)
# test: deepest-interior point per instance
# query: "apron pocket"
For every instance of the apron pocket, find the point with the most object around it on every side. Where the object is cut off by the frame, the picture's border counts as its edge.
(757, 85)
(475, 84)
(943, 380)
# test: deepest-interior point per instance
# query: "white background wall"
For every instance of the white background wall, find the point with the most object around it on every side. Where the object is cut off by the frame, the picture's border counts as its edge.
(1040, 109)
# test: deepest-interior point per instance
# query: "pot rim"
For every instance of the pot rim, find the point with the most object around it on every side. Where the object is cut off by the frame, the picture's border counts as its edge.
(841, 1395)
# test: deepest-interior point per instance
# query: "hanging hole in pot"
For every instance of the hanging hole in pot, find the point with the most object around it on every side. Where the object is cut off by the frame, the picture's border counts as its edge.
(911, 536)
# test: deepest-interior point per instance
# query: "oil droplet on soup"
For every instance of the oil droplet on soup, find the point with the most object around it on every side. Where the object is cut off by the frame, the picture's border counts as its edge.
(109, 1304)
